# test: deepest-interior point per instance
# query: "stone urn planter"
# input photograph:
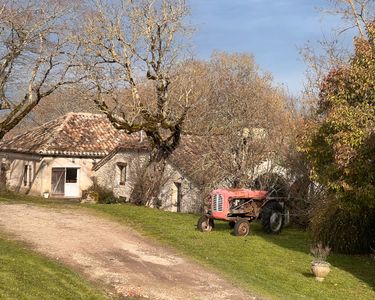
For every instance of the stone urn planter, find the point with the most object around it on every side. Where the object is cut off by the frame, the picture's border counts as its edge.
(320, 269)
(319, 266)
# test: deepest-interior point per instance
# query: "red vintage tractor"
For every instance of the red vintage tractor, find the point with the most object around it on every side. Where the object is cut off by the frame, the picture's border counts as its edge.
(241, 206)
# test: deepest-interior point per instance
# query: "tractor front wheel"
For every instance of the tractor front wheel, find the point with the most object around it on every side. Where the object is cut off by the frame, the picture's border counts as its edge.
(242, 227)
(205, 224)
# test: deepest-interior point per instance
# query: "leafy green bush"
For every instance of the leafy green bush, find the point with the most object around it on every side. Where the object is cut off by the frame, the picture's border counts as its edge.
(339, 143)
(344, 230)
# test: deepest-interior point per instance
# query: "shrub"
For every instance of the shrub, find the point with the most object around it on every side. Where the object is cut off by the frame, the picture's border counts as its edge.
(320, 252)
(102, 195)
(339, 143)
(346, 231)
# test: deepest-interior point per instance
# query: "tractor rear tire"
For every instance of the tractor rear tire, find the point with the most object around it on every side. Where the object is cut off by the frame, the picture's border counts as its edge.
(205, 224)
(272, 218)
(242, 227)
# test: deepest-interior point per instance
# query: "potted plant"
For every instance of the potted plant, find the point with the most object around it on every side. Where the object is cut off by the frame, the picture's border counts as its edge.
(319, 266)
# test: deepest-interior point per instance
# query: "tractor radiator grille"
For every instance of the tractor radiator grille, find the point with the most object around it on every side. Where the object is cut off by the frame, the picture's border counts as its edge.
(218, 203)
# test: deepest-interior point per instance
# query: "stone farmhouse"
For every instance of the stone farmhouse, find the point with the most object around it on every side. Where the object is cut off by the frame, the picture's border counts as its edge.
(65, 156)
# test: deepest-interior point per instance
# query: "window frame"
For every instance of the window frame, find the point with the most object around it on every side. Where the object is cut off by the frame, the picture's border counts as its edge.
(27, 175)
(122, 169)
(68, 177)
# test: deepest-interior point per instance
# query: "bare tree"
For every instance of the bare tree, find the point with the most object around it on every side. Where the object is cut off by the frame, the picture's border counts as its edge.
(130, 43)
(330, 53)
(36, 56)
(133, 53)
(238, 119)
(131, 50)
(247, 119)
(355, 13)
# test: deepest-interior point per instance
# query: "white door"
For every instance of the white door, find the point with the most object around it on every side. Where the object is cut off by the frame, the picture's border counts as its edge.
(58, 182)
(72, 182)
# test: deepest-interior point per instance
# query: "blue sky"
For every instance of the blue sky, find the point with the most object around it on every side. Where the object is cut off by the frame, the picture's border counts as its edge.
(271, 30)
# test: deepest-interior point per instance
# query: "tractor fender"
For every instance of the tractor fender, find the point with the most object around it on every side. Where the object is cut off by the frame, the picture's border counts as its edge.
(269, 200)
(282, 203)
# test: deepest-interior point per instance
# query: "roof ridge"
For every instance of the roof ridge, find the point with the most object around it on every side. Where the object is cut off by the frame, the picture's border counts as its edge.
(66, 118)
(59, 129)
(85, 114)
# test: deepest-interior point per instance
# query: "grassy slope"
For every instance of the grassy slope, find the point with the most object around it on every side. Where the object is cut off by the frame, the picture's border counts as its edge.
(26, 275)
(272, 266)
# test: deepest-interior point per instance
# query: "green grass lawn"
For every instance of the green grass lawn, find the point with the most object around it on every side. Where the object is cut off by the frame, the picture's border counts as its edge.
(272, 266)
(26, 275)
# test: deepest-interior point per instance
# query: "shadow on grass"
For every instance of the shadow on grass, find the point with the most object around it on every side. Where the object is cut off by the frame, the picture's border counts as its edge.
(307, 274)
(360, 266)
(222, 227)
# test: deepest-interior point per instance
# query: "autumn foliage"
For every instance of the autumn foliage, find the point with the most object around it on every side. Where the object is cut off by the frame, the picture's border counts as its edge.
(341, 149)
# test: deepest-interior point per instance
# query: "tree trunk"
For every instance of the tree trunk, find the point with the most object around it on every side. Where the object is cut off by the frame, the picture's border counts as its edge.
(151, 178)
(148, 184)
(3, 180)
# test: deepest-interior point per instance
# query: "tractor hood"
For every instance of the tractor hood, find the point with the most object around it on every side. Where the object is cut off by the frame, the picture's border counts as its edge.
(240, 193)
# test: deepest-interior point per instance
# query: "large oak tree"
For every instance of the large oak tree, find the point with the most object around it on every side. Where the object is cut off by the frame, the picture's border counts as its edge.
(37, 56)
(130, 44)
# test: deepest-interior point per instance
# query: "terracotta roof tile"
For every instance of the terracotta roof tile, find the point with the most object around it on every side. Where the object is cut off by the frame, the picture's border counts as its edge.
(75, 134)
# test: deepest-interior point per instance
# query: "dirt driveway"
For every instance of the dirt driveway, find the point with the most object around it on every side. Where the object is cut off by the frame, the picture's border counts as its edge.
(112, 255)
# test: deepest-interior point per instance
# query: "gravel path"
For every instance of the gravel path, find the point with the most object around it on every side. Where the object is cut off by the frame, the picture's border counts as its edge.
(112, 255)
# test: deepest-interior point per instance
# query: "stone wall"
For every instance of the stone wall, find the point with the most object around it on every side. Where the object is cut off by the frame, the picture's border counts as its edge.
(108, 175)
(174, 183)
(190, 196)
(15, 173)
(41, 171)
